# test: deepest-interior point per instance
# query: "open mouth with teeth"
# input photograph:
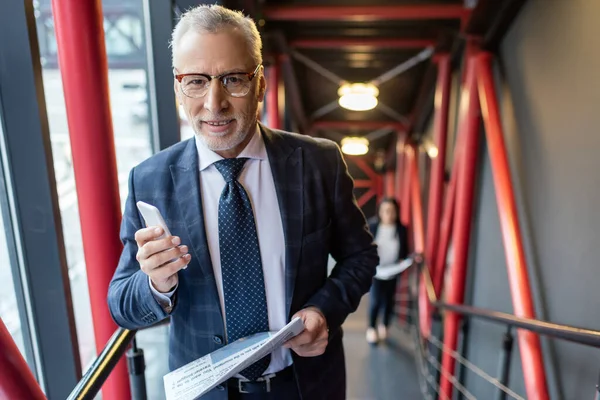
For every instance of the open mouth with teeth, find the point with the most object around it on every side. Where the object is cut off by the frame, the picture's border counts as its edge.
(218, 123)
(218, 127)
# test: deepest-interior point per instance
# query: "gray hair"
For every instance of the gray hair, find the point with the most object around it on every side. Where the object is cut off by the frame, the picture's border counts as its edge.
(213, 19)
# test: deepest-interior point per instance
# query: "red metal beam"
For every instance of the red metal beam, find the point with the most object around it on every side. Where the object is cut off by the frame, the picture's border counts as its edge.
(389, 184)
(405, 215)
(439, 268)
(364, 13)
(529, 344)
(274, 119)
(16, 379)
(362, 125)
(366, 168)
(363, 183)
(438, 167)
(84, 70)
(362, 200)
(400, 140)
(469, 127)
(436, 184)
(380, 43)
(416, 203)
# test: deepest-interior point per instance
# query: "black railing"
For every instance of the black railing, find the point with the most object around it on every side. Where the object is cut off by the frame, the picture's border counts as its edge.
(574, 334)
(94, 378)
(584, 336)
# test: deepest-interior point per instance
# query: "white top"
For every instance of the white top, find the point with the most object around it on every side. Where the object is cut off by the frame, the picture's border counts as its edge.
(388, 246)
(257, 179)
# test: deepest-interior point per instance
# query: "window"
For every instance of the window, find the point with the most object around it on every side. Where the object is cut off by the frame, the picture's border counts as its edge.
(9, 309)
(123, 25)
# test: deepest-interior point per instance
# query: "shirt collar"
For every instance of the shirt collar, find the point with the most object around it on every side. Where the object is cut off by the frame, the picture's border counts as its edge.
(254, 149)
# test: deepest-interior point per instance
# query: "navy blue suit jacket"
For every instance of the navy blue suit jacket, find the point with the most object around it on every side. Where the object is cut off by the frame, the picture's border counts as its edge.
(319, 217)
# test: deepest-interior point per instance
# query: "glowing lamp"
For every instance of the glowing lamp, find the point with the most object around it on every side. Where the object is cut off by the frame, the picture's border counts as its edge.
(358, 96)
(355, 146)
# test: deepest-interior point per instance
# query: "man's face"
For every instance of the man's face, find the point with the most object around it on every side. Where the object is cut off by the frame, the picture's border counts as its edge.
(224, 123)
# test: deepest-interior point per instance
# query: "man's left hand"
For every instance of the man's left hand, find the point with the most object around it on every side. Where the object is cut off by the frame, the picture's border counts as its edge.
(315, 336)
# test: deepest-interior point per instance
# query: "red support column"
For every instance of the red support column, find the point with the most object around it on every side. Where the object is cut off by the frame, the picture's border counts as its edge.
(462, 226)
(436, 187)
(439, 267)
(16, 379)
(416, 204)
(529, 344)
(398, 181)
(84, 69)
(389, 183)
(273, 95)
(405, 201)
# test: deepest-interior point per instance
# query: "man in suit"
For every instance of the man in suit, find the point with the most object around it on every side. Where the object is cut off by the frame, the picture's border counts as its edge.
(254, 215)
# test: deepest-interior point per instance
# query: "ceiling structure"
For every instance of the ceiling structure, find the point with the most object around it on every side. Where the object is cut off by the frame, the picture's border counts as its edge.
(320, 43)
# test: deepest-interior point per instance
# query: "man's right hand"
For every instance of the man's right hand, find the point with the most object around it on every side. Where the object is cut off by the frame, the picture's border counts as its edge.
(155, 255)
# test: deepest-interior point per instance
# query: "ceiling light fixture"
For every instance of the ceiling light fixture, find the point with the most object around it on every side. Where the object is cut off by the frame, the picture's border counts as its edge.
(430, 148)
(355, 146)
(358, 96)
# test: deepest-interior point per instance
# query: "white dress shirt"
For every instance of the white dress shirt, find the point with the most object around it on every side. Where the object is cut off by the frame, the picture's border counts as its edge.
(257, 179)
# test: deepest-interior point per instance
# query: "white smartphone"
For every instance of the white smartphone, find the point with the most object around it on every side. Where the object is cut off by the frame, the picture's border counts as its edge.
(152, 217)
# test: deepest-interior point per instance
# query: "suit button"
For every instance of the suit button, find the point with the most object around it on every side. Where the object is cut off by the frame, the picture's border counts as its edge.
(217, 339)
(220, 387)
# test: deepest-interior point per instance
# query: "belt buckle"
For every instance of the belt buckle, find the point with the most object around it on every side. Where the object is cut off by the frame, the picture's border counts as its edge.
(267, 380)
(240, 381)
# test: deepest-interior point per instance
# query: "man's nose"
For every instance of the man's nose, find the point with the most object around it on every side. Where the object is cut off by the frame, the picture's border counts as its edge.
(215, 99)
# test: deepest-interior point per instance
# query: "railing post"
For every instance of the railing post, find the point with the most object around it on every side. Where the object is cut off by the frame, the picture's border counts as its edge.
(437, 331)
(504, 362)
(597, 397)
(136, 366)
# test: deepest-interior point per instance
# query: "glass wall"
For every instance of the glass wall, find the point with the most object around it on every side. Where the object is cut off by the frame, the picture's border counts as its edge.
(125, 46)
(9, 309)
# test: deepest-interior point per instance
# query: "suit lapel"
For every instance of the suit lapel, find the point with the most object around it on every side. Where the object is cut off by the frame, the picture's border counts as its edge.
(286, 167)
(186, 180)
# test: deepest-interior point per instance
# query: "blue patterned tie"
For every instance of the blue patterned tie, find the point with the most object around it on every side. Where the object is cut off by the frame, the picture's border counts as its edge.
(241, 267)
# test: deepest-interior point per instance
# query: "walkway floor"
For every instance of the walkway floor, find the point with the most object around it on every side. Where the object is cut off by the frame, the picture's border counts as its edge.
(383, 372)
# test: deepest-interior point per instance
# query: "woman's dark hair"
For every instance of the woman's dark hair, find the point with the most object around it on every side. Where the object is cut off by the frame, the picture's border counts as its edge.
(394, 203)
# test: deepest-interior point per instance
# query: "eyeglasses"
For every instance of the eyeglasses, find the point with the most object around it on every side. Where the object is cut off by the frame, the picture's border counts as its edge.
(197, 85)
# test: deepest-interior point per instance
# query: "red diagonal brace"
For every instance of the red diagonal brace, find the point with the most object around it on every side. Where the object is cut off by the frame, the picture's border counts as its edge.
(518, 277)
(16, 379)
(469, 128)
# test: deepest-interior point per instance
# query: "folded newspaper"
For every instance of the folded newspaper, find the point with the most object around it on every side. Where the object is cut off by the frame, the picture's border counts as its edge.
(198, 377)
(389, 271)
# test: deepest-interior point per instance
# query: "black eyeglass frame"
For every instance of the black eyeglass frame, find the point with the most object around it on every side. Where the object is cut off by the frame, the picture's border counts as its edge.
(250, 76)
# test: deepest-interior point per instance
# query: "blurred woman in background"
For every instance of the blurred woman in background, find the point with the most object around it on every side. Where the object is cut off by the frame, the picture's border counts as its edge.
(392, 247)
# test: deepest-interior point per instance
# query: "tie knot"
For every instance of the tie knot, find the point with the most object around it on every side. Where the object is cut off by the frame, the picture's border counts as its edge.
(230, 168)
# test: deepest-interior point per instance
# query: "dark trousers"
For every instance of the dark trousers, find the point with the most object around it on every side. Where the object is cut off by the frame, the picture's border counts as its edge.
(382, 301)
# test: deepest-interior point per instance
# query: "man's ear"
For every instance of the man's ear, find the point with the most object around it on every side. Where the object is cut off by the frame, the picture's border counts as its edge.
(177, 91)
(262, 87)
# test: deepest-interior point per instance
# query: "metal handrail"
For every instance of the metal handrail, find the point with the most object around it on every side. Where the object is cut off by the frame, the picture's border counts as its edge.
(98, 372)
(570, 333)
